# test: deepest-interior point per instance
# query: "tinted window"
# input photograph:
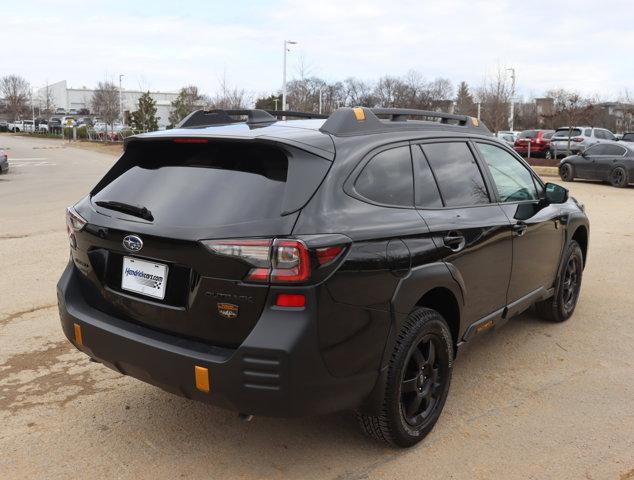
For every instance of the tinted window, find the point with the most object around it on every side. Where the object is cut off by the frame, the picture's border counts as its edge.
(528, 134)
(457, 173)
(192, 185)
(547, 135)
(597, 149)
(512, 179)
(426, 192)
(588, 132)
(600, 134)
(628, 137)
(387, 178)
(614, 150)
(565, 133)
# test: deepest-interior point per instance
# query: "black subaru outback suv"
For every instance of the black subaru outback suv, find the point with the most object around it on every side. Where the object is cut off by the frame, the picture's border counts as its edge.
(301, 267)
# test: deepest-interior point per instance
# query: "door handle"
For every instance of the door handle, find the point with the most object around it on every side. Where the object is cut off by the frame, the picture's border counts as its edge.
(455, 241)
(520, 228)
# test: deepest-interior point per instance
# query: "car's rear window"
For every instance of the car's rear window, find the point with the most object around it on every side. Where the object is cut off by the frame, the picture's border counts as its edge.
(528, 134)
(194, 185)
(566, 132)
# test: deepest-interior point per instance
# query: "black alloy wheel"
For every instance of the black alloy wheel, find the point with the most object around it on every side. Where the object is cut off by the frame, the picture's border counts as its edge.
(562, 304)
(566, 172)
(423, 378)
(618, 177)
(571, 283)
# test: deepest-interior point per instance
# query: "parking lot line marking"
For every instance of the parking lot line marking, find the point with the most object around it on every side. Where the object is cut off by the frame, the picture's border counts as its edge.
(27, 159)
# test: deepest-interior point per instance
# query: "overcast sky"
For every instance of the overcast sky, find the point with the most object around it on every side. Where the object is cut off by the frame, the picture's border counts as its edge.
(164, 45)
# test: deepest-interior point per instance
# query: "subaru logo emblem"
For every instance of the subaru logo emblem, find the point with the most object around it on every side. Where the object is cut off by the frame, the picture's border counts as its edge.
(133, 243)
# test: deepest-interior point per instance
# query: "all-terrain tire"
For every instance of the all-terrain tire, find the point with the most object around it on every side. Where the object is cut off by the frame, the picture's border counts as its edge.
(399, 423)
(561, 305)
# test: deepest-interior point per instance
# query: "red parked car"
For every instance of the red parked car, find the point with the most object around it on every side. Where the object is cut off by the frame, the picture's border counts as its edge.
(539, 141)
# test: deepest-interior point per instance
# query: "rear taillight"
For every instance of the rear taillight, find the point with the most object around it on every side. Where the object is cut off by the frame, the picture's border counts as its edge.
(577, 139)
(74, 223)
(276, 261)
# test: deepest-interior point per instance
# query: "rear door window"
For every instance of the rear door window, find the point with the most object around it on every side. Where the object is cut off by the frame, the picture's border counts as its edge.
(387, 178)
(426, 193)
(457, 174)
(614, 150)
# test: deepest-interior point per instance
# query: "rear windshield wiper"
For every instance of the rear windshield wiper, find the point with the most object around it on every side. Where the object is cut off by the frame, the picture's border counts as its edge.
(134, 210)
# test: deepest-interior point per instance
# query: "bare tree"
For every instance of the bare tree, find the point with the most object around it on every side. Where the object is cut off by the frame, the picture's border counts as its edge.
(15, 91)
(105, 102)
(358, 93)
(495, 96)
(228, 97)
(570, 109)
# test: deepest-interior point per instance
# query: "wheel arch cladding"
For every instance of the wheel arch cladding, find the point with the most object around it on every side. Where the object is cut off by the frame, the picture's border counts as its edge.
(432, 286)
(445, 303)
(581, 237)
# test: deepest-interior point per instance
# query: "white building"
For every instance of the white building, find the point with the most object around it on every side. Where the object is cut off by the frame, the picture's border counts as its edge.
(77, 98)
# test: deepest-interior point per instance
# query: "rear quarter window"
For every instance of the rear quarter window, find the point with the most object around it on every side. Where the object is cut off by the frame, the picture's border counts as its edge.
(387, 178)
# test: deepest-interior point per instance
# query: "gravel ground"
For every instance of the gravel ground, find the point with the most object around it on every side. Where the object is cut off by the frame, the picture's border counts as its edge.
(530, 400)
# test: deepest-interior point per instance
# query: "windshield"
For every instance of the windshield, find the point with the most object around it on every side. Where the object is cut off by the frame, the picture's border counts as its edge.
(528, 134)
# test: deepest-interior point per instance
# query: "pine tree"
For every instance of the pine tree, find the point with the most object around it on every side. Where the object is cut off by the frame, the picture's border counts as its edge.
(188, 100)
(145, 118)
(464, 100)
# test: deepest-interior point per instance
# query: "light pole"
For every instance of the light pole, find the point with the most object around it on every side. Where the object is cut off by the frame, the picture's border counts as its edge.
(121, 99)
(286, 49)
(512, 114)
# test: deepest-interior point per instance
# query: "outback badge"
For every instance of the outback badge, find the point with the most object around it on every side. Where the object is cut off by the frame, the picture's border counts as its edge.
(228, 310)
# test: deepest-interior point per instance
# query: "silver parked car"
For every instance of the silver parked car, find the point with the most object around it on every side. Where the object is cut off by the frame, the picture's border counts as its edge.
(580, 139)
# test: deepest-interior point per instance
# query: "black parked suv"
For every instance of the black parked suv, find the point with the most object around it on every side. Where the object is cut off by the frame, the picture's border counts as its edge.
(302, 267)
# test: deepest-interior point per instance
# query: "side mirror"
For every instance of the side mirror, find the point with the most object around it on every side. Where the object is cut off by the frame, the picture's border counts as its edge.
(556, 193)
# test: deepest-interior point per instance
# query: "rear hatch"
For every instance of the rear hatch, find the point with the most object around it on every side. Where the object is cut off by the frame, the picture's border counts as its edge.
(142, 253)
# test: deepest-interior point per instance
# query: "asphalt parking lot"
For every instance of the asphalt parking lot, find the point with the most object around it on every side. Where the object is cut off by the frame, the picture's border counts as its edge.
(530, 400)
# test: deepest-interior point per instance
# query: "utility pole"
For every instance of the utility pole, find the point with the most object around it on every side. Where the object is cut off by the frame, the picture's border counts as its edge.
(286, 49)
(479, 109)
(512, 113)
(275, 100)
(121, 100)
(320, 92)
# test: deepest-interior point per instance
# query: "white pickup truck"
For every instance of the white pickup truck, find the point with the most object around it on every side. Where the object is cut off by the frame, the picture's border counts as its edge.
(26, 126)
(21, 126)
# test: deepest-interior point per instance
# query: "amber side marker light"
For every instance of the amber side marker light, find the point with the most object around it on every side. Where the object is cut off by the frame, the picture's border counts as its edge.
(202, 378)
(359, 114)
(79, 340)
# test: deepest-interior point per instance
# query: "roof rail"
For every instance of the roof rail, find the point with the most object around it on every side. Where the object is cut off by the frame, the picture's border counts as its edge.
(203, 118)
(361, 120)
(295, 114)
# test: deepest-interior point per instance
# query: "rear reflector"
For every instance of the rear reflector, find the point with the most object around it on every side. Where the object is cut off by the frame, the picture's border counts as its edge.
(79, 340)
(202, 378)
(290, 300)
(327, 254)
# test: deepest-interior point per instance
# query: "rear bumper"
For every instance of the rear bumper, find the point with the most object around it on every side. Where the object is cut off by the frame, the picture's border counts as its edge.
(277, 371)
(523, 150)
